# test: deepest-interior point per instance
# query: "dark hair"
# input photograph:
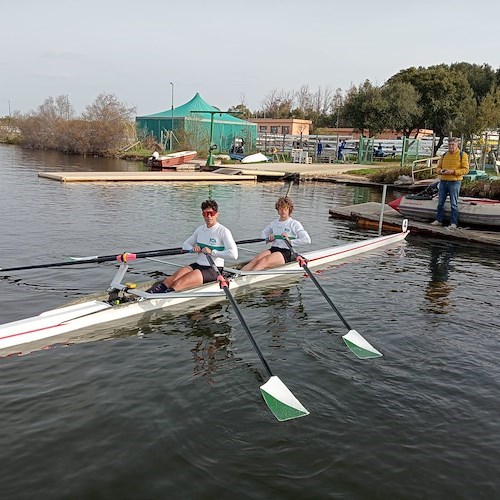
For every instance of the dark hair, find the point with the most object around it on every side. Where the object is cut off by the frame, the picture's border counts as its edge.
(285, 202)
(210, 204)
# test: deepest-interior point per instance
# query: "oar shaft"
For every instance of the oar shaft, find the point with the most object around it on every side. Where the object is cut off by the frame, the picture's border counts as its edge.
(110, 258)
(230, 298)
(304, 266)
(321, 289)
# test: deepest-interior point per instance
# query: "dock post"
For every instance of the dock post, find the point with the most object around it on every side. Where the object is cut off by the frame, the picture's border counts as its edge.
(380, 222)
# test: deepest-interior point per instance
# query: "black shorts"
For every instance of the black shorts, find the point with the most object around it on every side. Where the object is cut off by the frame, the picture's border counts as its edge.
(206, 271)
(286, 252)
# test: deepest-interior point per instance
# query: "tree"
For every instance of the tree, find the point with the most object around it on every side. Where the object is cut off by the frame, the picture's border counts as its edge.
(278, 104)
(105, 126)
(240, 111)
(403, 111)
(446, 99)
(110, 123)
(366, 108)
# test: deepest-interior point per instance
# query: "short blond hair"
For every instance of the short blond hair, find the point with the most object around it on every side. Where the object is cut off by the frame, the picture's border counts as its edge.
(284, 202)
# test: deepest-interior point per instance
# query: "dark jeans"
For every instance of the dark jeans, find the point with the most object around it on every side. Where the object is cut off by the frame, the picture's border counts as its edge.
(446, 188)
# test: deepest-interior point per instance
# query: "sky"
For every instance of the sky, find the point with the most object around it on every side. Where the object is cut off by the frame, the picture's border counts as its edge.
(151, 53)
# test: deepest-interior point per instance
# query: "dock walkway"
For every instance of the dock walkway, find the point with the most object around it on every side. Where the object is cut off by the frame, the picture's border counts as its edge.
(368, 215)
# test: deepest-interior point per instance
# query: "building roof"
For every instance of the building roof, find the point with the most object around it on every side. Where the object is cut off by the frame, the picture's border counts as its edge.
(197, 103)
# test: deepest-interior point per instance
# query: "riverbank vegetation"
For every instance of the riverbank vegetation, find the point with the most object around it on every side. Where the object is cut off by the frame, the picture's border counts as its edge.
(105, 127)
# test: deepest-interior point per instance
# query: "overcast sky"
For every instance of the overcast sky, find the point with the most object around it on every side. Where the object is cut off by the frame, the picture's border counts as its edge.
(229, 51)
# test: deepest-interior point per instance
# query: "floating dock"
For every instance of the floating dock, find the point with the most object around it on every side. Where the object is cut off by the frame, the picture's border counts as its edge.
(146, 177)
(368, 215)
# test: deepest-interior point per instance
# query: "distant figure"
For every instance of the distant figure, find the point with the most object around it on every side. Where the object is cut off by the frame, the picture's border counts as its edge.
(379, 153)
(341, 148)
(319, 147)
(393, 151)
(152, 159)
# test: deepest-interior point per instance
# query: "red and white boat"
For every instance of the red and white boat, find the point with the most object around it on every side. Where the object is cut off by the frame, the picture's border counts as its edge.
(157, 162)
(473, 211)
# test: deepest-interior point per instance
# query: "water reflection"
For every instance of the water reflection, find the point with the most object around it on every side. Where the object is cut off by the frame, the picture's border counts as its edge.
(438, 289)
(213, 333)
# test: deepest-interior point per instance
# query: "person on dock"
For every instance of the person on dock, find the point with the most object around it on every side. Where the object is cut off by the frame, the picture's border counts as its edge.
(275, 233)
(451, 167)
(319, 147)
(211, 238)
(341, 148)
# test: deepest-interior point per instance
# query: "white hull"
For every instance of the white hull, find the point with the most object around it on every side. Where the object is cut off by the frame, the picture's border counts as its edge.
(56, 322)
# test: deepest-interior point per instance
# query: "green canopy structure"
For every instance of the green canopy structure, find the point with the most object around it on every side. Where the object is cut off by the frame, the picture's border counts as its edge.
(196, 126)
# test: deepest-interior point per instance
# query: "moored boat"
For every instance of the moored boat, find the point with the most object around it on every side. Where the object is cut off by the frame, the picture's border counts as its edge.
(157, 162)
(473, 211)
(125, 301)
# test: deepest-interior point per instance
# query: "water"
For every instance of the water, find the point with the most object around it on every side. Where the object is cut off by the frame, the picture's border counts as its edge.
(171, 408)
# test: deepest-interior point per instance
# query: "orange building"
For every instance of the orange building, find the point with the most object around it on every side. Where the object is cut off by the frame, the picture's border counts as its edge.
(282, 126)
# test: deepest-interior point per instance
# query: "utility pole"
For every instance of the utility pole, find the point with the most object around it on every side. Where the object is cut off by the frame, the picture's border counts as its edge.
(172, 126)
(211, 146)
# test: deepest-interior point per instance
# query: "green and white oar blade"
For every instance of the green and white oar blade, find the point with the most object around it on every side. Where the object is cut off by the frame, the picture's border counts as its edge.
(281, 401)
(359, 346)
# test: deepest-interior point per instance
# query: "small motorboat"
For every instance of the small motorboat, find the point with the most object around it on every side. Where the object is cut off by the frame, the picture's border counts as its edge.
(157, 162)
(473, 211)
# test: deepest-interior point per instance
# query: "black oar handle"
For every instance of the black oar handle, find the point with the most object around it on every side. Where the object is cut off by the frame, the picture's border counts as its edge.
(225, 286)
(303, 263)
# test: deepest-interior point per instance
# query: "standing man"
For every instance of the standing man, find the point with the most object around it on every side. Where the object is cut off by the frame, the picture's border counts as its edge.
(452, 167)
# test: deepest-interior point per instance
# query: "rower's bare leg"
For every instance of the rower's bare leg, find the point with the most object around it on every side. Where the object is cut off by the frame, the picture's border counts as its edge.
(187, 280)
(170, 280)
(269, 261)
(251, 265)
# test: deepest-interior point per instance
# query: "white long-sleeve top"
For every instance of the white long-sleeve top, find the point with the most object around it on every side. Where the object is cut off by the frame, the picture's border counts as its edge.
(218, 238)
(293, 228)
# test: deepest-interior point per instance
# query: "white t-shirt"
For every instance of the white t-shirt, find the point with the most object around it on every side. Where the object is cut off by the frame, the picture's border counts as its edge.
(218, 238)
(293, 228)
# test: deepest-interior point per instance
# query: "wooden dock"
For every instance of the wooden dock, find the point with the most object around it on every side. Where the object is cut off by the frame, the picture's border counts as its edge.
(146, 177)
(368, 215)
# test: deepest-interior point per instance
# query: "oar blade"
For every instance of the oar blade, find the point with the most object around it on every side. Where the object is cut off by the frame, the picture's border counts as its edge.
(283, 404)
(359, 346)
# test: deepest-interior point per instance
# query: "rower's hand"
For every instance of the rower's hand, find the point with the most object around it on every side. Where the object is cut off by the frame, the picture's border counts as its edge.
(285, 236)
(206, 250)
(270, 238)
(196, 249)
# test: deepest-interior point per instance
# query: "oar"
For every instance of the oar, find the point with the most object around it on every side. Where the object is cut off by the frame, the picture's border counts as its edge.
(356, 343)
(157, 253)
(109, 258)
(280, 400)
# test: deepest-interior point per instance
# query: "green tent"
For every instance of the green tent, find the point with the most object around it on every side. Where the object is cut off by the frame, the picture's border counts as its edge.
(226, 128)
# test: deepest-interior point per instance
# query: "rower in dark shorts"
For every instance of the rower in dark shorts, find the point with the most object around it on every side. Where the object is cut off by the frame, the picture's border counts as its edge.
(275, 233)
(211, 238)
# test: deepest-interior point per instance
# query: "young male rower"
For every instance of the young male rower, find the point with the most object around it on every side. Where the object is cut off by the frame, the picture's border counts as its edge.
(210, 238)
(275, 233)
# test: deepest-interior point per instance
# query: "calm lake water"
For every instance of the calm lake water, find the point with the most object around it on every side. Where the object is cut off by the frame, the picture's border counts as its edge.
(171, 408)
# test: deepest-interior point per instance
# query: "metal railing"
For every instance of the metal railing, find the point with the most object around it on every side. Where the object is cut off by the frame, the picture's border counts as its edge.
(423, 165)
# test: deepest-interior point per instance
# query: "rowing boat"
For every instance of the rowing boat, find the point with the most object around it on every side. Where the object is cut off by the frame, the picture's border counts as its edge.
(124, 300)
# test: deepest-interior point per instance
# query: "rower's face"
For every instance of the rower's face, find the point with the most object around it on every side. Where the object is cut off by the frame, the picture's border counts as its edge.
(284, 212)
(210, 216)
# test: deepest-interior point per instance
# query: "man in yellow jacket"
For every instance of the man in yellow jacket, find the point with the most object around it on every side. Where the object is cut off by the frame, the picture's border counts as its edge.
(452, 167)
